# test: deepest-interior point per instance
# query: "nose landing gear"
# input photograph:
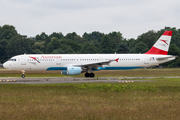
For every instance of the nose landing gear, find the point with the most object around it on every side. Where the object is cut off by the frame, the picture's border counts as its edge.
(23, 73)
(89, 74)
(23, 76)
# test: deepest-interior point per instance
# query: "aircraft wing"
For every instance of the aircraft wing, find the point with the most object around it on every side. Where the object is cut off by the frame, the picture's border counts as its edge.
(164, 58)
(96, 64)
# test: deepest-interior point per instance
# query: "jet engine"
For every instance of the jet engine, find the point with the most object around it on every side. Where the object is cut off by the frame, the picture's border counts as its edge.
(72, 71)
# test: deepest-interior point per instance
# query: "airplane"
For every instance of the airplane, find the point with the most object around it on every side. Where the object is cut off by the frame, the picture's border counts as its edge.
(74, 64)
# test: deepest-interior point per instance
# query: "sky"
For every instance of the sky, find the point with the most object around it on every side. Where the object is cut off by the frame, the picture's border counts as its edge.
(130, 17)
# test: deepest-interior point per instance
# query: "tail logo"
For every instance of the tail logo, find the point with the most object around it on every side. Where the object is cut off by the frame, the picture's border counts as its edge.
(165, 41)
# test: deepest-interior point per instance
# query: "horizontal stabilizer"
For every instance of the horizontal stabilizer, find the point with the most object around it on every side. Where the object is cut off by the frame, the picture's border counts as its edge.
(165, 58)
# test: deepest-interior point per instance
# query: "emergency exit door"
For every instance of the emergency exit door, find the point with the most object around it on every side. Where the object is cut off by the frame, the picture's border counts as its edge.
(58, 62)
(146, 59)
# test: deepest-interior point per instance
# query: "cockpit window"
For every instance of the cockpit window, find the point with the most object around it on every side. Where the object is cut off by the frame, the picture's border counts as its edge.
(12, 59)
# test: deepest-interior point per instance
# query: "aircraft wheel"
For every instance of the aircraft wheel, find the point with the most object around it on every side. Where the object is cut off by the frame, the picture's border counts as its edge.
(91, 74)
(23, 76)
(87, 74)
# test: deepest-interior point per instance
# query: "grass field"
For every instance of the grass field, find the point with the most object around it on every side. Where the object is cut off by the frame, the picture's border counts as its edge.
(157, 100)
(109, 73)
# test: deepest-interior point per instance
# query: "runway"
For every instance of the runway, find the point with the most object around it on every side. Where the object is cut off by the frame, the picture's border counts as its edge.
(52, 80)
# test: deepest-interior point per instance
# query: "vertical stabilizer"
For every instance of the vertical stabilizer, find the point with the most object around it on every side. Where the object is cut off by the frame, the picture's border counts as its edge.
(161, 47)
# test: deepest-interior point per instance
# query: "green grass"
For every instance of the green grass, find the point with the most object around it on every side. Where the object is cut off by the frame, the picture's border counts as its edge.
(108, 73)
(156, 100)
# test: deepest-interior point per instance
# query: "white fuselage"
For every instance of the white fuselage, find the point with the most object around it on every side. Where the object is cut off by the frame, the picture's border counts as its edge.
(73, 64)
(44, 62)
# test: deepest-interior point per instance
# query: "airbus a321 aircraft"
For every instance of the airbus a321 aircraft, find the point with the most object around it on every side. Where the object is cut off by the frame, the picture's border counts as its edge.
(73, 64)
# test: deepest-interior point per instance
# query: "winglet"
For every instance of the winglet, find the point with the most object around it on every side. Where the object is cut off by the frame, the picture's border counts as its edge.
(161, 47)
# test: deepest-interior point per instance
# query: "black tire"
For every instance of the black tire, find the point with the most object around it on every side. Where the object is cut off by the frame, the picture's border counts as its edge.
(87, 74)
(92, 75)
(23, 76)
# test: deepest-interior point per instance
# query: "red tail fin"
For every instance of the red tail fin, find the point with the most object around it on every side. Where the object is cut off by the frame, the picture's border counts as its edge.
(161, 47)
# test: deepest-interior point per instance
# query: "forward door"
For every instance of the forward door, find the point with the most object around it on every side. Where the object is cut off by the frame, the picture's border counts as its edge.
(23, 60)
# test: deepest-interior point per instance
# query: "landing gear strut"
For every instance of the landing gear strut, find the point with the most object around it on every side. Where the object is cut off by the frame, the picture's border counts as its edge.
(89, 74)
(23, 73)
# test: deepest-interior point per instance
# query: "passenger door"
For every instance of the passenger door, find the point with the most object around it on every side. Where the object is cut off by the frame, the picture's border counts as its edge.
(23, 60)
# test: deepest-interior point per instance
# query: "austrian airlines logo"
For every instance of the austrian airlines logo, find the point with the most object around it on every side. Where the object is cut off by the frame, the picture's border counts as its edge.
(165, 41)
(36, 59)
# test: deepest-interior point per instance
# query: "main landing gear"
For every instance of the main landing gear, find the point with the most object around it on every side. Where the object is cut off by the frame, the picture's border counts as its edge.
(89, 74)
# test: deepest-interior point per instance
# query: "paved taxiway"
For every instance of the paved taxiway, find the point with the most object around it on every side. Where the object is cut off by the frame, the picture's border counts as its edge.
(51, 80)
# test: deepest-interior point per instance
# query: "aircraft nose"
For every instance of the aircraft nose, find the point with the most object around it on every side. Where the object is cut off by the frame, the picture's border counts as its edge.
(5, 65)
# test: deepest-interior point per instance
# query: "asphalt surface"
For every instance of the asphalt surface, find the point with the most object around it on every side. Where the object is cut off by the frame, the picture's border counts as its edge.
(51, 80)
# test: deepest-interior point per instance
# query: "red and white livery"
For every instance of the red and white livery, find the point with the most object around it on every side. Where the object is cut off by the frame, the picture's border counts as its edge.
(73, 64)
(161, 47)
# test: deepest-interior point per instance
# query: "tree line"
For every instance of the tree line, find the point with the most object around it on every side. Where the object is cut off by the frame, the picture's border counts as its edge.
(12, 43)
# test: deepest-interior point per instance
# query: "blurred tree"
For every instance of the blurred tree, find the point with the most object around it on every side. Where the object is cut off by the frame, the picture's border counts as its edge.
(122, 48)
(107, 45)
(3, 54)
(43, 37)
(131, 43)
(117, 36)
(37, 51)
(72, 36)
(176, 38)
(89, 48)
(65, 49)
(174, 50)
(54, 44)
(148, 38)
(141, 48)
(38, 47)
(93, 36)
(75, 45)
(7, 32)
(18, 45)
(57, 35)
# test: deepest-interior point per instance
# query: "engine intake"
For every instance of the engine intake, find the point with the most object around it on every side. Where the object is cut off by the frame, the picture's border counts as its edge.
(72, 71)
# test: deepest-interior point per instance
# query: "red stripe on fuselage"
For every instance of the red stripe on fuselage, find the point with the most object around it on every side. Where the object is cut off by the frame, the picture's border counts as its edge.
(33, 58)
(169, 33)
(154, 50)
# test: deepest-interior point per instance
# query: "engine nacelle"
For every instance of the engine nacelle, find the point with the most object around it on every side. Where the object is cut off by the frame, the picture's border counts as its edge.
(72, 71)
